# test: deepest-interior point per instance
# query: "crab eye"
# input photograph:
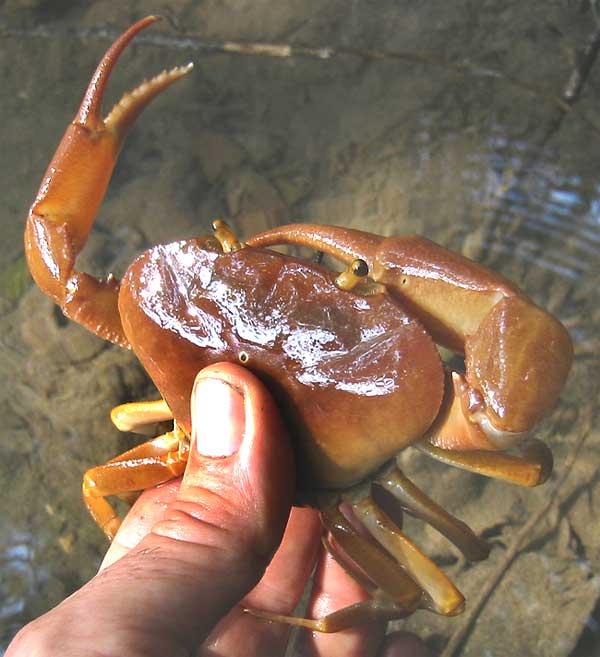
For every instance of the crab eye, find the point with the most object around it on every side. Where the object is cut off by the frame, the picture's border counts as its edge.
(360, 268)
(353, 275)
(244, 357)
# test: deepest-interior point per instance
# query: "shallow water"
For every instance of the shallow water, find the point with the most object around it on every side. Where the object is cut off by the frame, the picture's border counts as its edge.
(476, 163)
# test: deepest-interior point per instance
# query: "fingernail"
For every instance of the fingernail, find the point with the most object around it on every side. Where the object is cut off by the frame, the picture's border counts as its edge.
(218, 417)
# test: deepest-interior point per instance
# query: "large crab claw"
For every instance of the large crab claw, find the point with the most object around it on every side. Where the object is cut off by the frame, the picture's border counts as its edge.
(517, 356)
(72, 189)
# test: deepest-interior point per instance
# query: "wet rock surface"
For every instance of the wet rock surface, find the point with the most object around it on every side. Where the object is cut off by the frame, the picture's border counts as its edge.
(489, 167)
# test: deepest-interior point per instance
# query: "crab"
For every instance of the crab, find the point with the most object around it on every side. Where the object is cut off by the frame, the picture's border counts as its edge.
(350, 358)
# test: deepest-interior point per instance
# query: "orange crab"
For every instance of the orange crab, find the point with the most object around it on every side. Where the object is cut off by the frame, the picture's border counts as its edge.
(350, 358)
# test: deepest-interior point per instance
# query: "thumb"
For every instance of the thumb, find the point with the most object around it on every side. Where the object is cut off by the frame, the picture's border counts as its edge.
(229, 516)
(217, 536)
(238, 485)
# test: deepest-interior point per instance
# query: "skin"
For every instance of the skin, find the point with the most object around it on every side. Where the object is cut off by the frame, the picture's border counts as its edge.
(191, 549)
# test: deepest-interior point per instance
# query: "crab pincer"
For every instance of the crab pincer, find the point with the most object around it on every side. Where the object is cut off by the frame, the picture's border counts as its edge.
(72, 190)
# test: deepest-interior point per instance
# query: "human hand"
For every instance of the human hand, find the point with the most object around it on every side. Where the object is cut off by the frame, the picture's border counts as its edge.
(190, 550)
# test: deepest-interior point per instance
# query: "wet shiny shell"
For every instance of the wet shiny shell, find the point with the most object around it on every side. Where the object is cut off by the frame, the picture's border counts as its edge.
(356, 378)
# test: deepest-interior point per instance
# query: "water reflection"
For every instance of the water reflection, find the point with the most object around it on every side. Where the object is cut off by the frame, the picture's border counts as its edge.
(556, 220)
(18, 579)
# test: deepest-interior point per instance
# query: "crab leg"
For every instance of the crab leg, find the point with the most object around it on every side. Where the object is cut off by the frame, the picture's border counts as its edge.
(442, 596)
(532, 468)
(72, 189)
(144, 466)
(415, 502)
(394, 593)
(517, 356)
(349, 568)
(369, 611)
(137, 416)
(381, 568)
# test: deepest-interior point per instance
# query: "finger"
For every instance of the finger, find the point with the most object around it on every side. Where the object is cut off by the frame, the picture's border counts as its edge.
(148, 509)
(334, 589)
(286, 576)
(240, 634)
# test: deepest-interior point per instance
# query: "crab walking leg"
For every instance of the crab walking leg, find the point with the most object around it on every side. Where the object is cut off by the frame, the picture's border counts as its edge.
(174, 440)
(531, 468)
(415, 502)
(393, 593)
(337, 620)
(350, 569)
(72, 189)
(390, 580)
(442, 596)
(517, 356)
(369, 611)
(146, 465)
(171, 441)
(136, 416)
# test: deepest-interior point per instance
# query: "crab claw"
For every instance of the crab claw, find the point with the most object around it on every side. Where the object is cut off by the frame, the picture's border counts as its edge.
(72, 189)
(517, 356)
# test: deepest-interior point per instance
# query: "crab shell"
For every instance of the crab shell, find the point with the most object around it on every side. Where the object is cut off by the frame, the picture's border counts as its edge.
(357, 378)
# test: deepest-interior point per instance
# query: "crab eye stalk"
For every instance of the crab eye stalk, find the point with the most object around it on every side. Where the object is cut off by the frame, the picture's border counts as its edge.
(353, 275)
(225, 236)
